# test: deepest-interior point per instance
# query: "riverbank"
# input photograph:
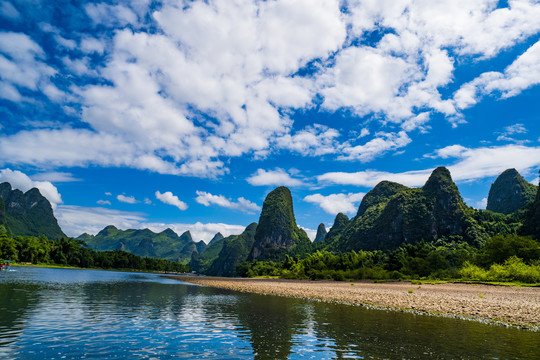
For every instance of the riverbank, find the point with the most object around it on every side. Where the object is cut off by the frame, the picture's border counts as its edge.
(518, 306)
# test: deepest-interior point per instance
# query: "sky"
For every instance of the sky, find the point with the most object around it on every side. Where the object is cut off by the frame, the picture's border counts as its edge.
(186, 114)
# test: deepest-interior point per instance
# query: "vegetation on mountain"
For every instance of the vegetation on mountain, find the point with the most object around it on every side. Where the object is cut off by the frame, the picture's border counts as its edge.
(27, 214)
(64, 251)
(165, 245)
(321, 233)
(391, 215)
(200, 263)
(235, 250)
(531, 224)
(277, 233)
(510, 192)
(216, 237)
(334, 234)
(398, 233)
(503, 258)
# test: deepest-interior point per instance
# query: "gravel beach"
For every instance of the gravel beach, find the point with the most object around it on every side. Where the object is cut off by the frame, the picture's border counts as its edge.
(507, 304)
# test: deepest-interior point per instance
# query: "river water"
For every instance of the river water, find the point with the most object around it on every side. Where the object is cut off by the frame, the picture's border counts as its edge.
(88, 314)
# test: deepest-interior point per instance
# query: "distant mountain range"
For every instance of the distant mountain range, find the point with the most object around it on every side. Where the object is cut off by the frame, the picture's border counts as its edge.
(389, 216)
(166, 244)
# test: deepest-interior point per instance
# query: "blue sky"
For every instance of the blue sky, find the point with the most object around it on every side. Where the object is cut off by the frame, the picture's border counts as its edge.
(185, 114)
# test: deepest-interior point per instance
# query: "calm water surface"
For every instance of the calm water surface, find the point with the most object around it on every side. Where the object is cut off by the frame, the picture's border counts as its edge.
(85, 314)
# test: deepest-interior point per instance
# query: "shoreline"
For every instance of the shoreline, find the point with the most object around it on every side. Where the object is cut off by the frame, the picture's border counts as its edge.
(502, 305)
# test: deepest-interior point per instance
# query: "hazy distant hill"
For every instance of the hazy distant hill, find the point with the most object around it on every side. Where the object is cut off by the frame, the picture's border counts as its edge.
(28, 214)
(166, 244)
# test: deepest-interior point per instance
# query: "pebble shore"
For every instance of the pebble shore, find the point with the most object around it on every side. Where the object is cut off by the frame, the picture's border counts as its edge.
(506, 305)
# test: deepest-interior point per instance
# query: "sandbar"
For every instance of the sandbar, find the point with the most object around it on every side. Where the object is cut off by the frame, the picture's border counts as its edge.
(506, 305)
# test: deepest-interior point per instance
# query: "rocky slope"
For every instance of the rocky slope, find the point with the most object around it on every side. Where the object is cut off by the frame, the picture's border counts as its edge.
(27, 214)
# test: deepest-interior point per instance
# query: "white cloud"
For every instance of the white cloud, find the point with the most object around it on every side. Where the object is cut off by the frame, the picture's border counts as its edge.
(55, 176)
(217, 79)
(336, 203)
(108, 193)
(471, 164)
(103, 202)
(242, 204)
(9, 11)
(314, 140)
(277, 177)
(75, 220)
(168, 198)
(482, 203)
(382, 143)
(370, 178)
(22, 65)
(523, 73)
(310, 232)
(92, 45)
(110, 15)
(199, 231)
(511, 130)
(21, 181)
(127, 199)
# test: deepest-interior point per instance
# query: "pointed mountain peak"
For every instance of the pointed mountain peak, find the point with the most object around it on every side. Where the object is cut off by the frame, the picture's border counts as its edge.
(186, 236)
(277, 231)
(108, 231)
(340, 221)
(382, 192)
(169, 232)
(510, 192)
(216, 237)
(321, 233)
(440, 180)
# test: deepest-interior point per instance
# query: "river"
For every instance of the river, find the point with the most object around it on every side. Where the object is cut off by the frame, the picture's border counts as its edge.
(88, 314)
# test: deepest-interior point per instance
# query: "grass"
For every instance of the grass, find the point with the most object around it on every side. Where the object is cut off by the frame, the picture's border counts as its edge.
(410, 291)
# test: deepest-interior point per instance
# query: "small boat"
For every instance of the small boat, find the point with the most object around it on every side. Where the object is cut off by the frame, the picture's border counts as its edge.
(5, 265)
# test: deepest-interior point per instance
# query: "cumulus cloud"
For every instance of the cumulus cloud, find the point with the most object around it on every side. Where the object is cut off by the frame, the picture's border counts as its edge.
(127, 199)
(103, 202)
(523, 73)
(277, 177)
(168, 198)
(75, 220)
(314, 140)
(22, 65)
(382, 143)
(182, 88)
(199, 231)
(23, 182)
(242, 204)
(336, 203)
